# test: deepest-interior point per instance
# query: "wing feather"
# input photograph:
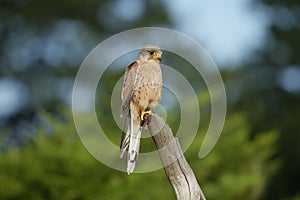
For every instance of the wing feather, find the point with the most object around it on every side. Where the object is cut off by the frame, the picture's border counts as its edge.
(127, 90)
(128, 85)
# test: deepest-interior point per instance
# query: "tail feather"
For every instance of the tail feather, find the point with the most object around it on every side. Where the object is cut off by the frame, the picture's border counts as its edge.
(134, 146)
(124, 145)
(125, 141)
(131, 142)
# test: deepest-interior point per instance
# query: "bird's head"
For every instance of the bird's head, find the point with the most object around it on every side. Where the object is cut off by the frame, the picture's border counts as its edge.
(150, 52)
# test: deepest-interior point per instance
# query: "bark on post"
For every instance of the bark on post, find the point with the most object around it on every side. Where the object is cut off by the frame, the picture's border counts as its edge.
(179, 172)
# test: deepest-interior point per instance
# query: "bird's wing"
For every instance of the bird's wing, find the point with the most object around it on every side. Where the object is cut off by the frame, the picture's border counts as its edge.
(127, 90)
(128, 84)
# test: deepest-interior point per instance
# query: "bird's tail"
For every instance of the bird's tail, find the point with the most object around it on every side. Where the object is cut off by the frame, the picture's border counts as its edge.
(132, 142)
(134, 146)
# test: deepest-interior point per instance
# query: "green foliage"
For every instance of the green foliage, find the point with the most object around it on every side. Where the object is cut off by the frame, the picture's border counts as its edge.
(238, 167)
(57, 166)
(42, 42)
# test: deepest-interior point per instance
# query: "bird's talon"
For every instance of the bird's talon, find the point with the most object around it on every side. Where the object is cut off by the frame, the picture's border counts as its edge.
(144, 113)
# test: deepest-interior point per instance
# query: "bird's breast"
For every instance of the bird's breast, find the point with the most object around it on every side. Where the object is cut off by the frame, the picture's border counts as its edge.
(148, 86)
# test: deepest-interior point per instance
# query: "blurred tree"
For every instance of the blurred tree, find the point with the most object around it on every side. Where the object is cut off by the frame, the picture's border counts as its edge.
(238, 167)
(42, 45)
(57, 166)
(268, 89)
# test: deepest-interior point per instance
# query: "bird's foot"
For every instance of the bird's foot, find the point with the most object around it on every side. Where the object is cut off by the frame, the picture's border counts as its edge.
(148, 112)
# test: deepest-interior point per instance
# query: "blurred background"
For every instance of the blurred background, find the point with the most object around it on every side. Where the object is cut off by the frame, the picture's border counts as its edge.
(255, 43)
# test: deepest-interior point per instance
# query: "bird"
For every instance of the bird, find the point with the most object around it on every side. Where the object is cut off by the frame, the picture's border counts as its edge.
(141, 91)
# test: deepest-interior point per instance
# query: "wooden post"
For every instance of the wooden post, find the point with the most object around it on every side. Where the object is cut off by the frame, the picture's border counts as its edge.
(179, 172)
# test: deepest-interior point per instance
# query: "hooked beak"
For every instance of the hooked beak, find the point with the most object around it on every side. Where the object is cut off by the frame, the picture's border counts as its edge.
(157, 56)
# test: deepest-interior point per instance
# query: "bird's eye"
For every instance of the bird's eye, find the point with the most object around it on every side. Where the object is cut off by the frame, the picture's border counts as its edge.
(151, 53)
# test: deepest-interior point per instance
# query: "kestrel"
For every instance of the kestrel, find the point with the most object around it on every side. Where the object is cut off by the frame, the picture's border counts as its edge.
(141, 91)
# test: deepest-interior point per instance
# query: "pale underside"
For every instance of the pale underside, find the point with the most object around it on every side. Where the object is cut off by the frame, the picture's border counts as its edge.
(141, 91)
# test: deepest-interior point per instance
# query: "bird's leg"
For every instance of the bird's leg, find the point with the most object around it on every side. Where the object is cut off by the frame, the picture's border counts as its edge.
(145, 118)
(143, 113)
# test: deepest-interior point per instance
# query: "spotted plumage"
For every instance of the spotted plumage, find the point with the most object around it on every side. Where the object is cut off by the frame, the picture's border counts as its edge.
(141, 91)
